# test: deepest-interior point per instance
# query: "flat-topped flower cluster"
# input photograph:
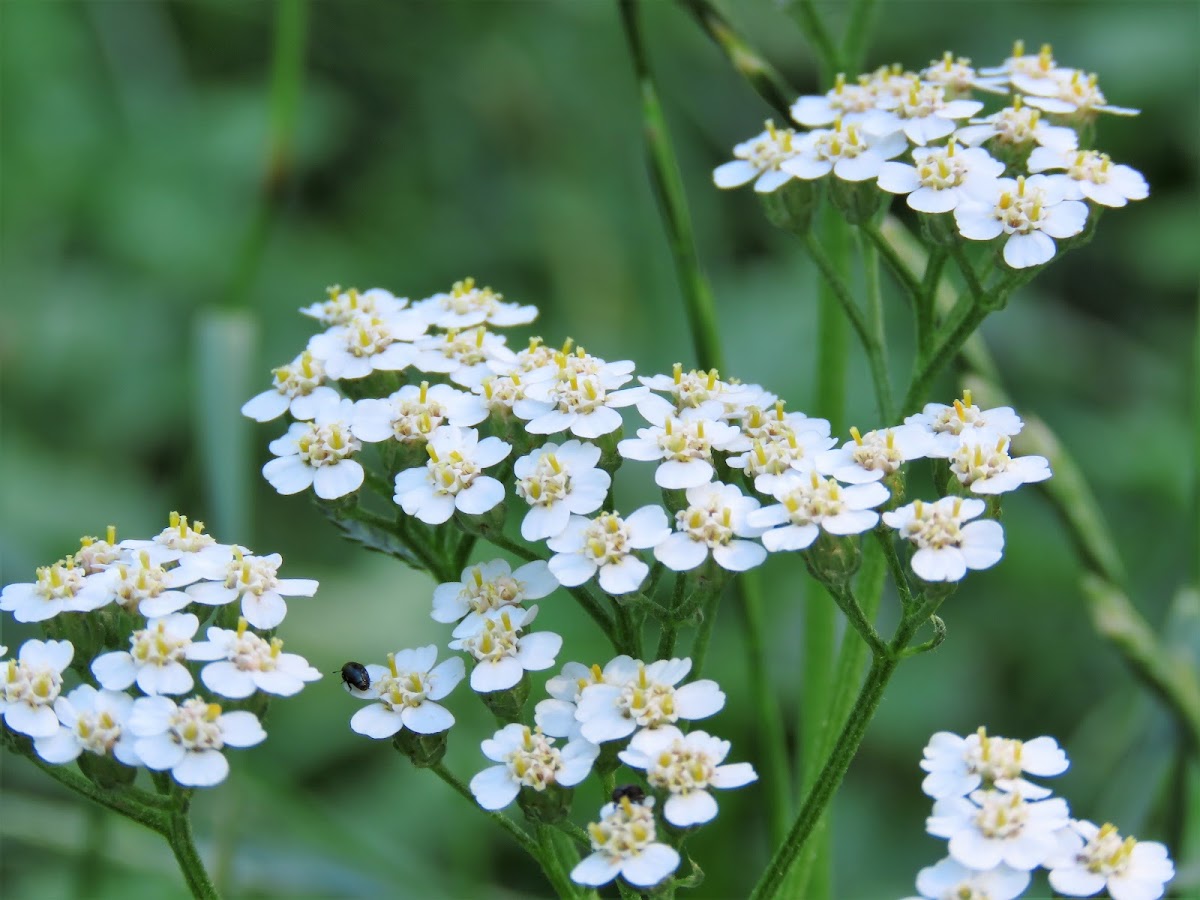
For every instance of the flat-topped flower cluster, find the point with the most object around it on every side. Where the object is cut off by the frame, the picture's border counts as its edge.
(1001, 827)
(922, 135)
(124, 617)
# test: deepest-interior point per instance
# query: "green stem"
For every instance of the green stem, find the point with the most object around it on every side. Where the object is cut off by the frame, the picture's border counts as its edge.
(557, 868)
(810, 22)
(153, 816)
(575, 833)
(770, 719)
(670, 627)
(704, 633)
(883, 388)
(941, 356)
(178, 832)
(668, 185)
(899, 267)
(858, 30)
(885, 538)
(925, 310)
(849, 606)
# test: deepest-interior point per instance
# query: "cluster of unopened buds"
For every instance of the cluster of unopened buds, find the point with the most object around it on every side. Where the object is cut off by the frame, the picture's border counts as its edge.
(121, 620)
(1001, 827)
(1023, 173)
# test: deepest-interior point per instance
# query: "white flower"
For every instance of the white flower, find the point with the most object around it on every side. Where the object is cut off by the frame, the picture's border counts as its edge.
(453, 477)
(528, 759)
(146, 587)
(1023, 69)
(958, 77)
(412, 413)
(95, 555)
(993, 827)
(846, 151)
(188, 738)
(1093, 175)
(92, 720)
(848, 102)
(343, 307)
(242, 662)
(31, 685)
(809, 503)
(556, 716)
(951, 425)
(922, 113)
(686, 767)
(1031, 211)
(318, 454)
(584, 404)
(466, 356)
(1017, 126)
(981, 461)
(714, 519)
(876, 454)
(254, 580)
(624, 844)
(703, 391)
(684, 442)
(1095, 859)
(368, 343)
(502, 653)
(1070, 92)
(942, 177)
(498, 394)
(556, 481)
(946, 548)
(958, 765)
(407, 690)
(634, 695)
(488, 586)
(155, 659)
(759, 424)
(180, 541)
(606, 544)
(61, 587)
(777, 454)
(758, 160)
(950, 880)
(467, 305)
(297, 388)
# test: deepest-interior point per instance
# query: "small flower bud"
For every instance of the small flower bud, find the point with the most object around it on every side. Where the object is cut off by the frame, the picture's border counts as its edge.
(548, 806)
(507, 705)
(791, 207)
(424, 750)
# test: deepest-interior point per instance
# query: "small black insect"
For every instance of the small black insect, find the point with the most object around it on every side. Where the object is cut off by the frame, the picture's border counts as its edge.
(356, 676)
(632, 791)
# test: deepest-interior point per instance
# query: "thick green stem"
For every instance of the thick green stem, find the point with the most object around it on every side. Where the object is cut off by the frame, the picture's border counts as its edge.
(670, 627)
(704, 633)
(878, 325)
(899, 267)
(828, 53)
(925, 301)
(178, 832)
(556, 860)
(858, 31)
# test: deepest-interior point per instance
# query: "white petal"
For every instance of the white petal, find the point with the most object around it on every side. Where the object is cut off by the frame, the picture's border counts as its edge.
(159, 752)
(342, 478)
(483, 494)
(288, 474)
(738, 556)
(624, 576)
(680, 553)
(428, 718)
(241, 729)
(692, 808)
(572, 569)
(376, 722)
(650, 866)
(494, 788)
(595, 870)
(35, 721)
(1032, 249)
(202, 768)
(734, 174)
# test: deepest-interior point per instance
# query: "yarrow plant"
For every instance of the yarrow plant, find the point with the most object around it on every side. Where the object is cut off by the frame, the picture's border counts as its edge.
(503, 474)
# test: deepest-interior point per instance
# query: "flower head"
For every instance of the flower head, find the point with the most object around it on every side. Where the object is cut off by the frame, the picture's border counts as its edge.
(941, 177)
(846, 151)
(624, 844)
(140, 585)
(453, 477)
(758, 160)
(951, 425)
(502, 653)
(488, 586)
(181, 541)
(61, 587)
(188, 738)
(809, 503)
(605, 544)
(635, 695)
(946, 547)
(1093, 176)
(558, 481)
(923, 113)
(253, 579)
(1096, 859)
(1032, 212)
(368, 342)
(297, 388)
(528, 759)
(31, 684)
(875, 455)
(1072, 92)
(683, 441)
(585, 404)
(318, 454)
(240, 663)
(849, 102)
(94, 722)
(407, 691)
(958, 765)
(951, 880)
(414, 412)
(981, 462)
(1017, 127)
(715, 520)
(344, 307)
(155, 658)
(993, 827)
(466, 356)
(467, 304)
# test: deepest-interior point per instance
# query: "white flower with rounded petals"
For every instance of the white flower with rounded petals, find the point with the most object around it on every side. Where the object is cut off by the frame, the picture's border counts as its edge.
(994, 827)
(1031, 211)
(951, 425)
(810, 503)
(453, 477)
(556, 716)
(922, 113)
(143, 586)
(846, 151)
(96, 555)
(606, 544)
(93, 721)
(467, 357)
(848, 102)
(714, 520)
(31, 684)
(1026, 69)
(951, 880)
(255, 580)
(61, 587)
(584, 404)
(488, 586)
(634, 695)
(1093, 175)
(1073, 92)
(947, 548)
(684, 442)
(686, 767)
(502, 653)
(942, 177)
(297, 388)
(876, 454)
(318, 454)
(758, 160)
(558, 481)
(155, 659)
(703, 391)
(180, 541)
(240, 662)
(407, 691)
(1096, 859)
(368, 343)
(528, 759)
(778, 454)
(412, 413)
(624, 844)
(188, 738)
(760, 424)
(498, 394)
(467, 304)
(958, 765)
(343, 307)
(1017, 126)
(958, 78)
(981, 461)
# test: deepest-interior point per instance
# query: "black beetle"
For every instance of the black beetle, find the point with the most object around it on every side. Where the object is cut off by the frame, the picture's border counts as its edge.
(632, 791)
(355, 676)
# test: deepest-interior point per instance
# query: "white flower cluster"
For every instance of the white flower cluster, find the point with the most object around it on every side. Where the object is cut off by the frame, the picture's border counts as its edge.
(989, 170)
(152, 595)
(1001, 827)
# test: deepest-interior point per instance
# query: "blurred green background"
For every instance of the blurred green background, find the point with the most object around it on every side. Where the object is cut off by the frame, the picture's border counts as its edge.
(150, 212)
